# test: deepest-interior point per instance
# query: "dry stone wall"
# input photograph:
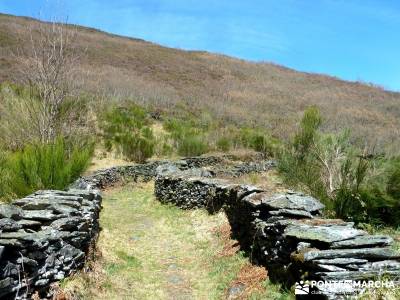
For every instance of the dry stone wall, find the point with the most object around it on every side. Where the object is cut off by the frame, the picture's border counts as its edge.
(44, 238)
(48, 235)
(286, 233)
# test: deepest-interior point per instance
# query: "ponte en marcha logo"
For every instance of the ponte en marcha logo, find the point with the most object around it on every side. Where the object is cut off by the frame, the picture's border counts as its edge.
(347, 287)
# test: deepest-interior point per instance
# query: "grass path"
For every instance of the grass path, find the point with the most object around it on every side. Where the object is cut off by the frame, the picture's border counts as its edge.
(152, 251)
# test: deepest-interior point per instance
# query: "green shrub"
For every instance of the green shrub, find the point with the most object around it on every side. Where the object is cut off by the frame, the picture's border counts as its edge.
(192, 146)
(188, 139)
(44, 166)
(127, 129)
(393, 185)
(351, 184)
(224, 144)
(309, 126)
(257, 140)
(6, 192)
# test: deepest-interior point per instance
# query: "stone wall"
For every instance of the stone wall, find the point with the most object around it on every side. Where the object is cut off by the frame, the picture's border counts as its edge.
(44, 238)
(285, 232)
(48, 235)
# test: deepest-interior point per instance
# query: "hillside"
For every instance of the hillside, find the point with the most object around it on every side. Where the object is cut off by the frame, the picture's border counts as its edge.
(229, 89)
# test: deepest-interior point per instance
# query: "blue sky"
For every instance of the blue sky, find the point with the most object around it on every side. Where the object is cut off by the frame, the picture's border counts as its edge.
(351, 39)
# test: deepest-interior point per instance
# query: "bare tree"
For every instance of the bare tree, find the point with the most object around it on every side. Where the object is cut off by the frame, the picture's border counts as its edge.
(48, 66)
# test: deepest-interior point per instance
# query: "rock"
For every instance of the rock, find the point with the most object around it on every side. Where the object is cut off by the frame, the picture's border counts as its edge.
(29, 223)
(392, 265)
(326, 234)
(59, 276)
(33, 203)
(46, 203)
(69, 224)
(10, 269)
(88, 195)
(27, 262)
(6, 286)
(367, 253)
(364, 241)
(1, 251)
(341, 261)
(286, 201)
(197, 172)
(235, 291)
(19, 235)
(330, 268)
(167, 170)
(9, 225)
(13, 243)
(295, 213)
(63, 209)
(245, 190)
(10, 212)
(42, 282)
(70, 252)
(40, 215)
(302, 245)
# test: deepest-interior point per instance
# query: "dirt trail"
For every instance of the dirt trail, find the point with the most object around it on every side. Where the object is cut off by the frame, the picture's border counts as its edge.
(153, 251)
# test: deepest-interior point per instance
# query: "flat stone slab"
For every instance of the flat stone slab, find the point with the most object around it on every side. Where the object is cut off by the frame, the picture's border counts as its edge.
(45, 203)
(245, 190)
(327, 234)
(296, 201)
(40, 215)
(364, 241)
(367, 253)
(67, 223)
(9, 225)
(88, 195)
(381, 265)
(295, 213)
(341, 261)
(330, 268)
(11, 212)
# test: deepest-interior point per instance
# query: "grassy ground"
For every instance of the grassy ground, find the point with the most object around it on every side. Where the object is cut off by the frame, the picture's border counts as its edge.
(152, 251)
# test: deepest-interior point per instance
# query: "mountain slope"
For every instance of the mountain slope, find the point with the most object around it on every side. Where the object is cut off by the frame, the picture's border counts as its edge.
(226, 88)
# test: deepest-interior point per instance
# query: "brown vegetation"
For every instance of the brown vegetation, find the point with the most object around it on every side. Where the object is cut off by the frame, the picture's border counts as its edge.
(231, 90)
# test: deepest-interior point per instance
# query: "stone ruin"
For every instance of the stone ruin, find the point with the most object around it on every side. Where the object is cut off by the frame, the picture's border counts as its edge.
(49, 235)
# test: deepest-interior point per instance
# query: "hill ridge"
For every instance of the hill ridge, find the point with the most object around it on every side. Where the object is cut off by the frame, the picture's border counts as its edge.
(229, 89)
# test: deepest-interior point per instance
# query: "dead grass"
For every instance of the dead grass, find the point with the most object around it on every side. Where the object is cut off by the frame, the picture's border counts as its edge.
(103, 160)
(230, 246)
(252, 278)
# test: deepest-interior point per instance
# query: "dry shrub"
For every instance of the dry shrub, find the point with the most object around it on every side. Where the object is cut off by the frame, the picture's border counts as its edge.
(232, 90)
